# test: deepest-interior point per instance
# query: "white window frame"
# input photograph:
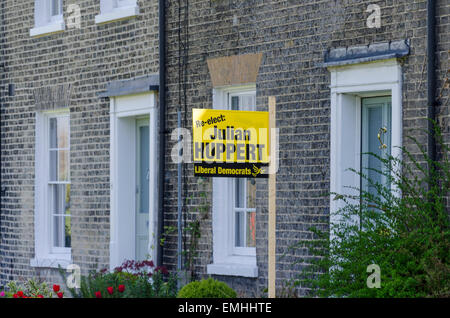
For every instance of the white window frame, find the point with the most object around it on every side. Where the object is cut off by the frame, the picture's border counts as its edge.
(45, 22)
(245, 251)
(46, 255)
(227, 259)
(113, 10)
(349, 84)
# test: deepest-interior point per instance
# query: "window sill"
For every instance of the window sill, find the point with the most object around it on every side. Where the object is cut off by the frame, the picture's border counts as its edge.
(227, 269)
(51, 28)
(117, 14)
(52, 261)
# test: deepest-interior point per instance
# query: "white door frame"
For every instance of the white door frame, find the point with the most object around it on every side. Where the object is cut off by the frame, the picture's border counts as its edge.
(349, 84)
(123, 113)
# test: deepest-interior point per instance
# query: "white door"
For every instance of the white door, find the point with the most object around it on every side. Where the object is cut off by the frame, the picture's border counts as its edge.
(142, 188)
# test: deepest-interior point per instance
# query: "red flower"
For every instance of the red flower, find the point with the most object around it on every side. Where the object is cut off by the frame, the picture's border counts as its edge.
(60, 295)
(110, 290)
(20, 293)
(40, 296)
(162, 269)
(121, 288)
(15, 296)
(98, 294)
(149, 263)
(56, 288)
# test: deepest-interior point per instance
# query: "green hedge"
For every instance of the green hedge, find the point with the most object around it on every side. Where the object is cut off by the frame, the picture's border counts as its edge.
(207, 288)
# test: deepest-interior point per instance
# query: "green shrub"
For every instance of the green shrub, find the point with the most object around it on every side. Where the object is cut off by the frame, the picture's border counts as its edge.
(406, 235)
(207, 288)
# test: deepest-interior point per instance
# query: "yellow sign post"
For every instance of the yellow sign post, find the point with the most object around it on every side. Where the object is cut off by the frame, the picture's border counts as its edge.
(230, 143)
(271, 246)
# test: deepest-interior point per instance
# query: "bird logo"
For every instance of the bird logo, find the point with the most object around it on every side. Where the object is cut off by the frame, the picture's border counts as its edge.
(256, 171)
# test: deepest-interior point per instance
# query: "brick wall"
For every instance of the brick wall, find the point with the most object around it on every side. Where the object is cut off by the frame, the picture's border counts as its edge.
(85, 58)
(292, 35)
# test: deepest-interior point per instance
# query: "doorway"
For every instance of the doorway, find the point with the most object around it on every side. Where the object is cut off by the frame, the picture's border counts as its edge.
(133, 178)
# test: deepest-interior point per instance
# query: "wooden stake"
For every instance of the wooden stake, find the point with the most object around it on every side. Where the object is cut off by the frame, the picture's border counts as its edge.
(272, 199)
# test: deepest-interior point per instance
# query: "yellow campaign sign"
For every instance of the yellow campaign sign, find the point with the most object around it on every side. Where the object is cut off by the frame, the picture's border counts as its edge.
(230, 143)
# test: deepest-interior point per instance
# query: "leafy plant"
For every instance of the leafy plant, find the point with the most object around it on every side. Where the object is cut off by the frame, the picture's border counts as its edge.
(168, 230)
(287, 290)
(207, 288)
(402, 228)
(31, 289)
(193, 231)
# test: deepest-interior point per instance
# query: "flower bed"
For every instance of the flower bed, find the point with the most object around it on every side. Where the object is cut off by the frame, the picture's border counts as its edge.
(130, 280)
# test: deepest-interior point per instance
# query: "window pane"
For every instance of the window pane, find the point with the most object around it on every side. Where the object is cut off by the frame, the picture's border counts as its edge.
(53, 137)
(239, 229)
(63, 165)
(58, 138)
(61, 231)
(53, 165)
(58, 231)
(239, 193)
(251, 229)
(60, 208)
(67, 232)
(58, 165)
(59, 132)
(56, 7)
(60, 198)
(66, 189)
(248, 103)
(234, 102)
(63, 132)
(251, 193)
(57, 199)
